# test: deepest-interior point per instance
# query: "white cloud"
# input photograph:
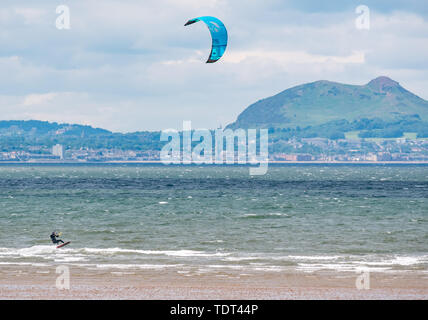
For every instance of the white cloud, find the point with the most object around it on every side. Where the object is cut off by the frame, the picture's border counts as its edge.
(38, 99)
(132, 65)
(31, 15)
(292, 57)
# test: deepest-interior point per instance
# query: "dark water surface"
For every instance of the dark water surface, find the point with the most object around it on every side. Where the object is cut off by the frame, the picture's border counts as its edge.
(304, 217)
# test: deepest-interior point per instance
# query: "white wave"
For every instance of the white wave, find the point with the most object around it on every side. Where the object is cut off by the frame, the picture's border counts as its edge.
(338, 267)
(24, 264)
(28, 252)
(241, 258)
(262, 256)
(368, 263)
(191, 253)
(310, 257)
(221, 266)
(176, 253)
(71, 259)
(396, 261)
(273, 214)
(269, 268)
(408, 261)
(271, 261)
(247, 267)
(51, 250)
(136, 266)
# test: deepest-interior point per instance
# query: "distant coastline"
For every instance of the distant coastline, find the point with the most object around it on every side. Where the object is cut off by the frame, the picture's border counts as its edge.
(157, 162)
(38, 141)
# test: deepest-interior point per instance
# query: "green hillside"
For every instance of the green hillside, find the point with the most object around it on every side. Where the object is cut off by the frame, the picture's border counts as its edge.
(382, 104)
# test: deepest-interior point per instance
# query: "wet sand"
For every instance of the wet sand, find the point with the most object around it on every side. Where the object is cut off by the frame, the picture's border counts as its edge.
(28, 282)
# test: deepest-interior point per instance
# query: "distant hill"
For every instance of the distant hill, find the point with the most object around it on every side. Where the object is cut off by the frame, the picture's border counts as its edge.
(338, 105)
(44, 127)
(24, 135)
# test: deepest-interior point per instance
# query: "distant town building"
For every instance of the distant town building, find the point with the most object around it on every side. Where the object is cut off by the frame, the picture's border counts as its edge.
(371, 157)
(384, 157)
(304, 157)
(58, 150)
(293, 157)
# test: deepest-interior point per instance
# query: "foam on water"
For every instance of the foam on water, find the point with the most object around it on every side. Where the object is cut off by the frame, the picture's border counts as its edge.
(175, 253)
(28, 252)
(152, 259)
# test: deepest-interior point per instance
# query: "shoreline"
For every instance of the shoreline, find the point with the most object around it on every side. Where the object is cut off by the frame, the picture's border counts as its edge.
(37, 283)
(213, 164)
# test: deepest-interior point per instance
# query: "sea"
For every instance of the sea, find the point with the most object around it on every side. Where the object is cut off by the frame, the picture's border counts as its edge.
(295, 218)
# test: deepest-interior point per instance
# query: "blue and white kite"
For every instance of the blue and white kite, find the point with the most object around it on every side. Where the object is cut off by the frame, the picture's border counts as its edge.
(218, 34)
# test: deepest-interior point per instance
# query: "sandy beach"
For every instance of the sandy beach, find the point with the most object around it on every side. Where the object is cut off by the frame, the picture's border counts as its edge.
(40, 283)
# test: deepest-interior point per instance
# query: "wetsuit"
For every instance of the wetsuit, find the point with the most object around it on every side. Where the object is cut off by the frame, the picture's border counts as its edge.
(54, 239)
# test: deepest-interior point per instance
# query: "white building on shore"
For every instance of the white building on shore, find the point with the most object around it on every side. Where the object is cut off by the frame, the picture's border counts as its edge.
(58, 150)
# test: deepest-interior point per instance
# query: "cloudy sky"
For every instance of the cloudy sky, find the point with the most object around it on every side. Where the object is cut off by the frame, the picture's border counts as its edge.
(130, 65)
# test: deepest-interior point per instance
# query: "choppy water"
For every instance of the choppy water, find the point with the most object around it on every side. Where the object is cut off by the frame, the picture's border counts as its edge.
(304, 217)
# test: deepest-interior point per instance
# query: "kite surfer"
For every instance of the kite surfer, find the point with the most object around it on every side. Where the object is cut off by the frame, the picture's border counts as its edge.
(54, 239)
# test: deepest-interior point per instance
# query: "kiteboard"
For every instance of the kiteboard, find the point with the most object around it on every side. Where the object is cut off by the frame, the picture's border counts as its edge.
(63, 244)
